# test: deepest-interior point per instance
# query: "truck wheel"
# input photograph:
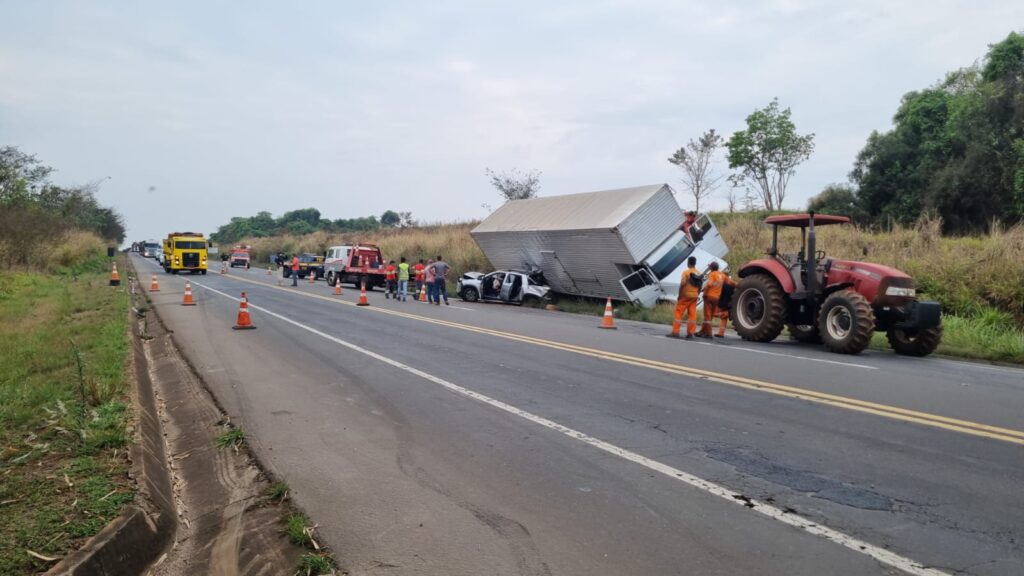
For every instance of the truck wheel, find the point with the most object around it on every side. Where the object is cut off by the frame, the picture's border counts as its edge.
(469, 294)
(846, 322)
(920, 342)
(806, 333)
(203, 272)
(330, 278)
(759, 308)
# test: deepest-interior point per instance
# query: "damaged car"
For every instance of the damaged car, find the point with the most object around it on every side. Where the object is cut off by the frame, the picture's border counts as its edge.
(508, 286)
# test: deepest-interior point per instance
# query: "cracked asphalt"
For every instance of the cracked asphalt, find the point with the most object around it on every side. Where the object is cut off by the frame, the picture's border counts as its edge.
(405, 476)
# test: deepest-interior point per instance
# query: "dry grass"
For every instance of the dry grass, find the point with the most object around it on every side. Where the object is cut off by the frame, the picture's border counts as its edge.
(449, 240)
(64, 250)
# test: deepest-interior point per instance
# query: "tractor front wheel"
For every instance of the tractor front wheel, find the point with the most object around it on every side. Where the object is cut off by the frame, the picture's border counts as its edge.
(759, 308)
(846, 322)
(921, 342)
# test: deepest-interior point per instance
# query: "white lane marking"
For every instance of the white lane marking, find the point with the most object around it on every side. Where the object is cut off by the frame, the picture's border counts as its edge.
(880, 554)
(808, 358)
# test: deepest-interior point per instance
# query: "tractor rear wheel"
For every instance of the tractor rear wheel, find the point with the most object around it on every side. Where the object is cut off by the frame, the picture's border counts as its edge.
(759, 308)
(806, 333)
(921, 342)
(846, 322)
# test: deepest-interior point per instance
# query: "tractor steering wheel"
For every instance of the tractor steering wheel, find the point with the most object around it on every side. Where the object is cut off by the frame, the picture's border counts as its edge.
(819, 255)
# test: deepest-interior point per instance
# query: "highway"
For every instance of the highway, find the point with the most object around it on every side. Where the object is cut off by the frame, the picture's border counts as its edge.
(483, 439)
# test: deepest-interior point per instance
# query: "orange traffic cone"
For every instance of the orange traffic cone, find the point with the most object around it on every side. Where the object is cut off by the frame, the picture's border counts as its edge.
(115, 280)
(337, 287)
(269, 273)
(423, 292)
(244, 322)
(188, 295)
(154, 286)
(608, 322)
(312, 277)
(362, 296)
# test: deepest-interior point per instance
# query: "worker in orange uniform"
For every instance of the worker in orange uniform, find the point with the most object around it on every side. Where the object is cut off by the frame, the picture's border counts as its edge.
(689, 292)
(391, 278)
(712, 294)
(420, 274)
(295, 270)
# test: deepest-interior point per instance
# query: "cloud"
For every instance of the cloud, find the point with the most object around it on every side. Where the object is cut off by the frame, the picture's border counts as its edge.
(355, 110)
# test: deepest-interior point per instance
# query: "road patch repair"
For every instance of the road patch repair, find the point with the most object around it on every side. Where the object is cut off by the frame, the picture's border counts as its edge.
(781, 515)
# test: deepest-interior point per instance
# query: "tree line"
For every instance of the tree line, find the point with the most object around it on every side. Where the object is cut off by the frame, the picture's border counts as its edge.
(34, 211)
(304, 221)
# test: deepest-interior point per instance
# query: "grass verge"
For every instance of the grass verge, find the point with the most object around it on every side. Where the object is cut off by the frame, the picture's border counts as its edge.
(64, 411)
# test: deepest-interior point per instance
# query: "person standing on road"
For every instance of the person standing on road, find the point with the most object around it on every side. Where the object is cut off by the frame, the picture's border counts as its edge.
(390, 277)
(419, 270)
(712, 294)
(441, 269)
(431, 277)
(295, 270)
(689, 292)
(403, 279)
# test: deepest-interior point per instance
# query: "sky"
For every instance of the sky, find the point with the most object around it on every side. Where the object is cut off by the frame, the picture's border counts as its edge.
(188, 113)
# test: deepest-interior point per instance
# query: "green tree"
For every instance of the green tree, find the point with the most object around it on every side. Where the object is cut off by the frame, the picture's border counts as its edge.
(696, 161)
(953, 149)
(21, 175)
(390, 219)
(768, 152)
(838, 199)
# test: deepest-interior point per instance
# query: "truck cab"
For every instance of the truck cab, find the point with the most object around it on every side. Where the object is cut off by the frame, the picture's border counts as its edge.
(657, 278)
(185, 251)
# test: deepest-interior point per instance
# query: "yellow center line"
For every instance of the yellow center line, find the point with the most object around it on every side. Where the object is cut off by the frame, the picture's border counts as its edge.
(884, 410)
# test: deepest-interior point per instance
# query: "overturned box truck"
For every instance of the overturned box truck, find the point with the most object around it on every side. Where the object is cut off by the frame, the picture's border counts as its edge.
(626, 244)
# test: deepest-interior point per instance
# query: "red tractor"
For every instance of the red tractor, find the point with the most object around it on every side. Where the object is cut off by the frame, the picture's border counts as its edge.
(838, 302)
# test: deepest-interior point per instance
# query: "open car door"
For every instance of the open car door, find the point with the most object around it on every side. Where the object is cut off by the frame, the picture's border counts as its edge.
(642, 287)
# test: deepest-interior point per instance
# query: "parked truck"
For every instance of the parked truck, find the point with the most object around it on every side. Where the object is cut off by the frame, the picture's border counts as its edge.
(355, 264)
(627, 244)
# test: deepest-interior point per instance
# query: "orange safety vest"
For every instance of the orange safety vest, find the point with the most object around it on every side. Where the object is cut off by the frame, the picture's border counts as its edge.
(713, 287)
(419, 272)
(390, 272)
(295, 263)
(688, 291)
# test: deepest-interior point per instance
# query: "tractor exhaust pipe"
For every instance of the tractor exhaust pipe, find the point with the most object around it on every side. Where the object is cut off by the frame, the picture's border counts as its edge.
(812, 264)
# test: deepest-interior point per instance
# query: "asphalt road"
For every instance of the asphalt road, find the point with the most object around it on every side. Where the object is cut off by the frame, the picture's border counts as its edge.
(484, 439)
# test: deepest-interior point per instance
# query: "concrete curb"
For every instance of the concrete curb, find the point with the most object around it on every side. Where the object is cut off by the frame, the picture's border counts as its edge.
(136, 538)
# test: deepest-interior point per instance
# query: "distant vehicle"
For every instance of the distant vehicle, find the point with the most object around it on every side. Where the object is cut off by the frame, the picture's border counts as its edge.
(357, 264)
(508, 286)
(308, 264)
(626, 244)
(184, 251)
(239, 256)
(150, 249)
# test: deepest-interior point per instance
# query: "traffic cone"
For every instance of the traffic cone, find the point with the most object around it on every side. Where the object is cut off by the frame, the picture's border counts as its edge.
(115, 280)
(269, 273)
(608, 322)
(188, 295)
(423, 292)
(337, 287)
(154, 286)
(243, 322)
(223, 268)
(312, 277)
(362, 296)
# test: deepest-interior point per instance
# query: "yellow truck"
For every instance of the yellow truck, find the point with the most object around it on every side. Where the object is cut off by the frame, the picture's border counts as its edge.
(185, 251)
